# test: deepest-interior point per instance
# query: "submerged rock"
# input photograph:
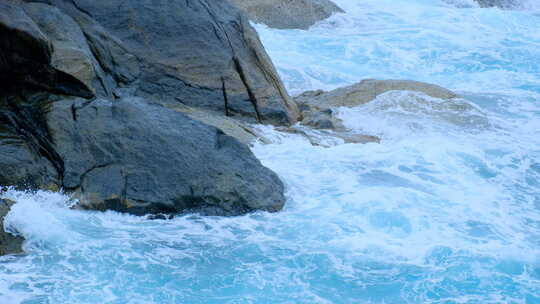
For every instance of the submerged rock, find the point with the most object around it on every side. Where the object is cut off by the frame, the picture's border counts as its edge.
(318, 107)
(9, 243)
(365, 91)
(288, 14)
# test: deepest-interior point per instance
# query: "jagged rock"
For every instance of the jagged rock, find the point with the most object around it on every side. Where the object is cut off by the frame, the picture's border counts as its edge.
(200, 53)
(129, 156)
(70, 52)
(122, 152)
(26, 65)
(26, 56)
(288, 14)
(9, 243)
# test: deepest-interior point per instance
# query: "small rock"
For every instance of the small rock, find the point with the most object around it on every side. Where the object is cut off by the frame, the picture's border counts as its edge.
(365, 91)
(288, 14)
(9, 243)
(317, 106)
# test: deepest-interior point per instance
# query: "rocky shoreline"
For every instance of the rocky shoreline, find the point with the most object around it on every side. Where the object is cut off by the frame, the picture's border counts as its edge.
(150, 111)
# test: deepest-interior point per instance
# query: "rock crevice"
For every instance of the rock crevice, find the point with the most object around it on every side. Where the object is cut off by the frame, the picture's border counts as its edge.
(91, 95)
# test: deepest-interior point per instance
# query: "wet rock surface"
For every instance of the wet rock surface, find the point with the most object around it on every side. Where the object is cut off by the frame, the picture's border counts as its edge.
(288, 14)
(365, 91)
(9, 243)
(319, 108)
(87, 97)
(156, 161)
(498, 3)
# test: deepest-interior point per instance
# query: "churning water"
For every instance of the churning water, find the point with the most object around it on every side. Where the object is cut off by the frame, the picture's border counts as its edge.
(446, 209)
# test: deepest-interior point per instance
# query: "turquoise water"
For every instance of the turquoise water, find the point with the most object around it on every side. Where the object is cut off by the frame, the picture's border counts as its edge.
(445, 210)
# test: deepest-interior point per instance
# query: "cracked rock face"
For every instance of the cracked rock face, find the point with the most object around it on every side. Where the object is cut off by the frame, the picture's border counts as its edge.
(90, 109)
(200, 53)
(134, 157)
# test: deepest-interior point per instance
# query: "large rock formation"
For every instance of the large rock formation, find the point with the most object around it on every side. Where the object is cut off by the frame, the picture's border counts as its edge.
(288, 14)
(155, 160)
(89, 92)
(9, 243)
(200, 53)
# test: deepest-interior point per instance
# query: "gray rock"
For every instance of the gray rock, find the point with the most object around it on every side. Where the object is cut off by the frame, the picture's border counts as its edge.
(288, 14)
(26, 57)
(25, 149)
(133, 154)
(129, 156)
(9, 243)
(200, 53)
(498, 3)
(240, 130)
(329, 138)
(70, 52)
(321, 119)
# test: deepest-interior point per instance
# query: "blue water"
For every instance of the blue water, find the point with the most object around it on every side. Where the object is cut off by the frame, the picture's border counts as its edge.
(445, 210)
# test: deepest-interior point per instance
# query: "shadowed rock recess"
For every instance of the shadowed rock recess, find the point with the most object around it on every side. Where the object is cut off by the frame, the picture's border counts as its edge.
(89, 99)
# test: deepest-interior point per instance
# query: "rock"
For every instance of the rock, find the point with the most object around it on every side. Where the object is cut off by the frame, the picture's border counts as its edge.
(26, 56)
(321, 119)
(318, 106)
(454, 111)
(242, 131)
(70, 52)
(25, 155)
(129, 156)
(70, 117)
(365, 91)
(329, 138)
(229, 72)
(288, 14)
(498, 3)
(9, 243)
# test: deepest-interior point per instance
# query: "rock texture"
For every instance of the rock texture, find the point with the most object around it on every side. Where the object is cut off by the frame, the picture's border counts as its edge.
(200, 53)
(318, 106)
(89, 92)
(498, 3)
(9, 243)
(238, 129)
(288, 14)
(367, 90)
(155, 160)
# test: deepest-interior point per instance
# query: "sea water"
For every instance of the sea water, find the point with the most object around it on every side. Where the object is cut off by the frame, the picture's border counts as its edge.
(446, 209)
